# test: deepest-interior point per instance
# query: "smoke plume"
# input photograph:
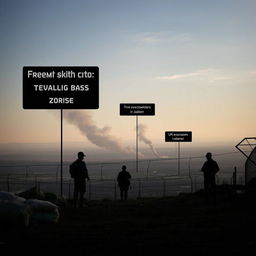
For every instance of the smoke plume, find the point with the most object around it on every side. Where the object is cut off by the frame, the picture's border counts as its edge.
(98, 136)
(143, 138)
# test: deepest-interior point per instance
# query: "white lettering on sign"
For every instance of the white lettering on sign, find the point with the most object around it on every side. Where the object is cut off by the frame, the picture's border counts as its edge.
(61, 100)
(66, 74)
(50, 87)
(60, 87)
(177, 134)
(85, 74)
(80, 87)
(61, 74)
(32, 74)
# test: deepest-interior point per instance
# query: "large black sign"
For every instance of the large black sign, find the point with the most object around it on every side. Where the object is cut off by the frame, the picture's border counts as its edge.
(178, 136)
(69, 87)
(134, 109)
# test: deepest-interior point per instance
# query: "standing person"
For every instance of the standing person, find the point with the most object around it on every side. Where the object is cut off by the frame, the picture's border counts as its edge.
(123, 180)
(210, 168)
(79, 173)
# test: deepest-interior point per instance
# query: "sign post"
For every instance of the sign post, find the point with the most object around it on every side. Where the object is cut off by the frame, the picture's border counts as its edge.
(61, 87)
(61, 151)
(137, 109)
(137, 143)
(178, 136)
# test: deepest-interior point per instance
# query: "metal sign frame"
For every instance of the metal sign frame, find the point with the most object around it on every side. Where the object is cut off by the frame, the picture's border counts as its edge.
(65, 81)
(180, 138)
(137, 109)
(245, 142)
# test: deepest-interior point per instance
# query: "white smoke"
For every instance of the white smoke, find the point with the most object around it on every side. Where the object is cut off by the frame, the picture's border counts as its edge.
(143, 138)
(101, 137)
(98, 136)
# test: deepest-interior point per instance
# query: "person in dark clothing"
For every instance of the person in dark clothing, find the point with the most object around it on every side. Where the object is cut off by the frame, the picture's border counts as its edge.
(79, 173)
(210, 168)
(123, 180)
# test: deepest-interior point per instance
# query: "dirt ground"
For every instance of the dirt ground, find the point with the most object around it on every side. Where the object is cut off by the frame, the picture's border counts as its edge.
(185, 224)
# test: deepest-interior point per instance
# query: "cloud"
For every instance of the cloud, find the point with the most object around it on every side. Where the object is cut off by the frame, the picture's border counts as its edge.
(181, 76)
(161, 37)
(203, 74)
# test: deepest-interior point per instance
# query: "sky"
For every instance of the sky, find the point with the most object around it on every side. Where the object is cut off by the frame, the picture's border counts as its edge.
(195, 59)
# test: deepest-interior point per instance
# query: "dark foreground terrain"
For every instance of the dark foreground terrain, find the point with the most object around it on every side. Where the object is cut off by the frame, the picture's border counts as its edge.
(168, 226)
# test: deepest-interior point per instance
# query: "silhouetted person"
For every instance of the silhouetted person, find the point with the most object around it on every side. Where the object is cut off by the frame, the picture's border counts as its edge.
(123, 180)
(79, 173)
(210, 168)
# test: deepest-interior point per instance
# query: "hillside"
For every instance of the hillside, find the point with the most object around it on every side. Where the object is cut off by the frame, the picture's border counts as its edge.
(183, 224)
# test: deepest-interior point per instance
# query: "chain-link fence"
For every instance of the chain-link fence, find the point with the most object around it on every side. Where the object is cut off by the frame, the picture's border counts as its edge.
(155, 178)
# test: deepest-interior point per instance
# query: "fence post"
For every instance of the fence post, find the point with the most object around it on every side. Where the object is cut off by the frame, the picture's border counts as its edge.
(89, 189)
(139, 192)
(101, 172)
(195, 182)
(115, 196)
(36, 181)
(56, 181)
(190, 177)
(164, 188)
(148, 168)
(69, 189)
(234, 176)
(26, 176)
(8, 182)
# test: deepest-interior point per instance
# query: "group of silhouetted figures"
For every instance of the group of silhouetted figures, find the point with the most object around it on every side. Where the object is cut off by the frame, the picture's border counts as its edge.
(79, 173)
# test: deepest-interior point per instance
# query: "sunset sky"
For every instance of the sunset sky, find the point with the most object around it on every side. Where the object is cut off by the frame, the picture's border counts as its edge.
(195, 59)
